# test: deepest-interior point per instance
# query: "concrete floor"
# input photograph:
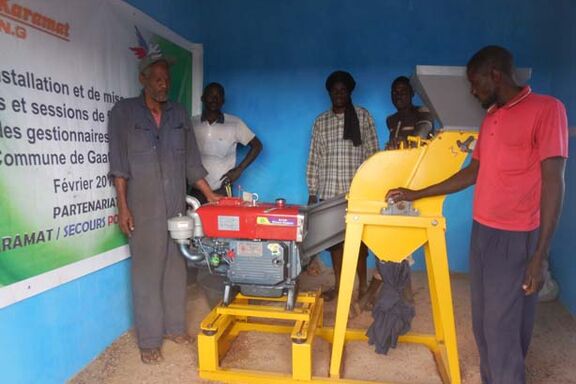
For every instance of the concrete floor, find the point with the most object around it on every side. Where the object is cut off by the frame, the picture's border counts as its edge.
(552, 357)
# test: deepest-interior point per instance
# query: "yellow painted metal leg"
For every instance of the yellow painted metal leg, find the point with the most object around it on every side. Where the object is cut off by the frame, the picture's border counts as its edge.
(439, 331)
(438, 259)
(207, 352)
(302, 361)
(350, 260)
(213, 339)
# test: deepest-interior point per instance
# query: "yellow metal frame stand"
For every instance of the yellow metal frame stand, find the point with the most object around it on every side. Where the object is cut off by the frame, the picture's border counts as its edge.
(390, 238)
(223, 324)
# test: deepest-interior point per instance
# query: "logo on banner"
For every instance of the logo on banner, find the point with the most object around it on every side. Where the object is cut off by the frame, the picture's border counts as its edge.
(145, 48)
(14, 18)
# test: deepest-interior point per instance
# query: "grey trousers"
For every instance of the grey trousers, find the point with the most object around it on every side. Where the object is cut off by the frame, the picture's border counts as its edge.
(158, 284)
(502, 316)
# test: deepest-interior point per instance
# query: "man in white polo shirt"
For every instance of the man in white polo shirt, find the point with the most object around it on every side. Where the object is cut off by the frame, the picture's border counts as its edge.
(218, 134)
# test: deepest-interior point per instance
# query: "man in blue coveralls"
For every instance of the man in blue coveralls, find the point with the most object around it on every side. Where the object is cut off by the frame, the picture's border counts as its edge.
(152, 152)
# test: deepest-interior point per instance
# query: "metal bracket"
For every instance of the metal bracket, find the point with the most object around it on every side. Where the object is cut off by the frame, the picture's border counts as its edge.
(400, 208)
(467, 145)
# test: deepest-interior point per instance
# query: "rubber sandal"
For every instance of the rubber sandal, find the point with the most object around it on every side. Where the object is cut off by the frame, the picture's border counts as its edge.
(151, 355)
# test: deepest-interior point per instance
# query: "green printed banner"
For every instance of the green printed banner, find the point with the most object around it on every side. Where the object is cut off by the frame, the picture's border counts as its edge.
(63, 68)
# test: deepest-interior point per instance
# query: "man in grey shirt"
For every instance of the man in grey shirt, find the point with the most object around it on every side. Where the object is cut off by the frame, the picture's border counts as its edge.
(152, 152)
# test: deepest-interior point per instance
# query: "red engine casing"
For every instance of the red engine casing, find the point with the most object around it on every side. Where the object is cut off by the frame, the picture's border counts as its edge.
(231, 217)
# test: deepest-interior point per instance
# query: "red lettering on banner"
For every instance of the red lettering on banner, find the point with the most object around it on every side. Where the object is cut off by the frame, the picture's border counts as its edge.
(31, 18)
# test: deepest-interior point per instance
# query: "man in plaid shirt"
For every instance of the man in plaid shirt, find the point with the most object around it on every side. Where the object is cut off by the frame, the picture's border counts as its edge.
(342, 138)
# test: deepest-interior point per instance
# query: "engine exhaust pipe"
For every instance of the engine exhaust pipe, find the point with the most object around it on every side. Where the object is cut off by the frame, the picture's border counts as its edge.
(185, 251)
(193, 202)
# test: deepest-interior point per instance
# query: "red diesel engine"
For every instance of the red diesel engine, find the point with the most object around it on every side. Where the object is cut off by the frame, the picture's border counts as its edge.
(232, 217)
(253, 246)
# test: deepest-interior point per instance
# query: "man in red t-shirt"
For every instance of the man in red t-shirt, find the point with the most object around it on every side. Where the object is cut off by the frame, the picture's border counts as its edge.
(518, 168)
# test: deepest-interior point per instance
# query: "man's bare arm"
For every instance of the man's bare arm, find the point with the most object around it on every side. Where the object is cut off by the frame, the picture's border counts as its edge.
(125, 219)
(255, 148)
(551, 202)
(203, 186)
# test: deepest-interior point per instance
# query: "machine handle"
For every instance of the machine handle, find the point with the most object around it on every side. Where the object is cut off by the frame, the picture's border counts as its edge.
(466, 145)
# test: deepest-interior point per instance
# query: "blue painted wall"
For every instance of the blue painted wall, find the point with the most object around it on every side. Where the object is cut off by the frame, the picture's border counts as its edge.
(50, 337)
(563, 259)
(563, 252)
